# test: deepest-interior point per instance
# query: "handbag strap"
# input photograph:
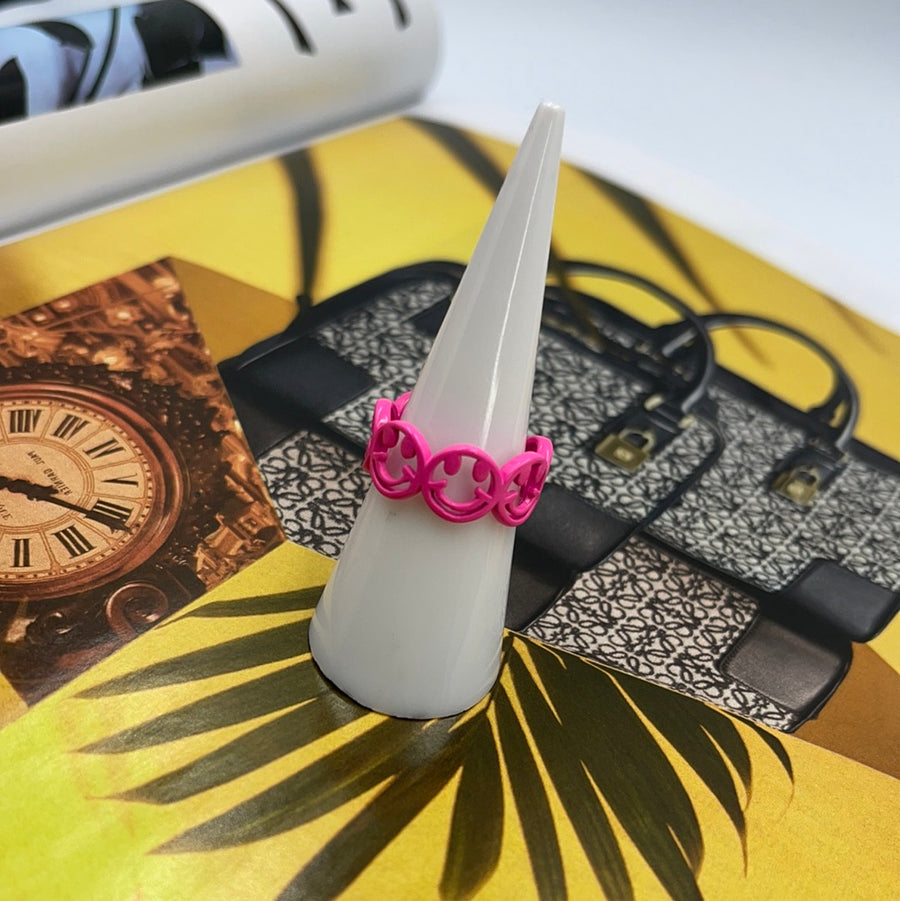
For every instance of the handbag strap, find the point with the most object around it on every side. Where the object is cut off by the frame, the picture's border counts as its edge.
(834, 420)
(653, 421)
(681, 393)
(800, 476)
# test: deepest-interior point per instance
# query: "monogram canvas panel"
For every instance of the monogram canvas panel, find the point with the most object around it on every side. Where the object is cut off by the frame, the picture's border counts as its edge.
(318, 487)
(640, 611)
(653, 616)
(732, 521)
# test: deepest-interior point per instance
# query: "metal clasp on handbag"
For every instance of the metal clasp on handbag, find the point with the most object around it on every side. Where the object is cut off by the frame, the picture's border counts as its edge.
(800, 484)
(627, 449)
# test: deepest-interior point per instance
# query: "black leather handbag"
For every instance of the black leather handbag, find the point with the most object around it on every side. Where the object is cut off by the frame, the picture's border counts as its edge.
(633, 416)
(326, 371)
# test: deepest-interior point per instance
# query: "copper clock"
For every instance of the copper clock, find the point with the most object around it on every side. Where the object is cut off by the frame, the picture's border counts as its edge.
(89, 489)
(126, 486)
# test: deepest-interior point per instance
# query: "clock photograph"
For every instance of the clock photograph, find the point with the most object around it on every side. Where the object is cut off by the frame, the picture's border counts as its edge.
(126, 487)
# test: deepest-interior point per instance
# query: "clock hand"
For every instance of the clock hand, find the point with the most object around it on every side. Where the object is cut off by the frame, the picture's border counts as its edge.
(31, 490)
(47, 493)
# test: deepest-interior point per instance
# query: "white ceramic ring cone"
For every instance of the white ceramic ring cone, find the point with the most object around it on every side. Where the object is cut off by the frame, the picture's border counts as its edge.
(411, 621)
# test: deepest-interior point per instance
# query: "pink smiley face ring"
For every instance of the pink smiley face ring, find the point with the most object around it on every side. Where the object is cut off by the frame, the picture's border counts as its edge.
(460, 483)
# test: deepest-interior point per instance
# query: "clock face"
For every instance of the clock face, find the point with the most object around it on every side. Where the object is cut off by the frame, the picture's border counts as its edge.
(88, 490)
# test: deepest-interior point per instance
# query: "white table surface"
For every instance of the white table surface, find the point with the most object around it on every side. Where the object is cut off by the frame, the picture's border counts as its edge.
(773, 123)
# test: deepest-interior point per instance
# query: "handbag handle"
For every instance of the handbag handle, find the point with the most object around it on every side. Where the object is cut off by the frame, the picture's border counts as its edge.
(651, 423)
(688, 392)
(842, 404)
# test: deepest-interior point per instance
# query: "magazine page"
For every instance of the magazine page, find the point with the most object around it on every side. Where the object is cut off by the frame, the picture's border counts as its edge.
(100, 102)
(702, 656)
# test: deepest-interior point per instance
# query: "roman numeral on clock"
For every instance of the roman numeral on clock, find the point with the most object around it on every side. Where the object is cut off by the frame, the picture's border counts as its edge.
(73, 541)
(70, 426)
(116, 511)
(104, 449)
(21, 552)
(121, 480)
(23, 420)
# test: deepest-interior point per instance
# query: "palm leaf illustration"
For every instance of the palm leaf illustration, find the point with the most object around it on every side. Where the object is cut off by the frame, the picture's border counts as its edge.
(309, 214)
(476, 831)
(556, 733)
(866, 330)
(642, 214)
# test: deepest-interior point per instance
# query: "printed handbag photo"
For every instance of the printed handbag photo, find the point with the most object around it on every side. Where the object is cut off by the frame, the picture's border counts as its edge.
(328, 368)
(794, 510)
(649, 613)
(640, 610)
(303, 413)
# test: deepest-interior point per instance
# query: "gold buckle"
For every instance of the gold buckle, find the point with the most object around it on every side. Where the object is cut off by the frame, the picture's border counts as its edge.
(800, 484)
(628, 449)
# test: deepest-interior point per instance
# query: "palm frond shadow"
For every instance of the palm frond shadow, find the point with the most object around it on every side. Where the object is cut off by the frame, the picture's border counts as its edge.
(591, 731)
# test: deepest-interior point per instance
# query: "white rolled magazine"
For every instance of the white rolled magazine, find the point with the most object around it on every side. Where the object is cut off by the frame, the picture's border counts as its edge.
(100, 103)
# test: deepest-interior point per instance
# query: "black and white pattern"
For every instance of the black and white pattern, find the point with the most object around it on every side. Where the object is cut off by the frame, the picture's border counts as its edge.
(576, 393)
(654, 617)
(640, 610)
(318, 488)
(731, 520)
(573, 418)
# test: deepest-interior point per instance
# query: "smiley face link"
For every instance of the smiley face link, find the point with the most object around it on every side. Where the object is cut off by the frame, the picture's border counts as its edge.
(460, 483)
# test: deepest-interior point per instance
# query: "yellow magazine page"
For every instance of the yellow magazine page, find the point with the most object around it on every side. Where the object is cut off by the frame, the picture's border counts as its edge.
(208, 759)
